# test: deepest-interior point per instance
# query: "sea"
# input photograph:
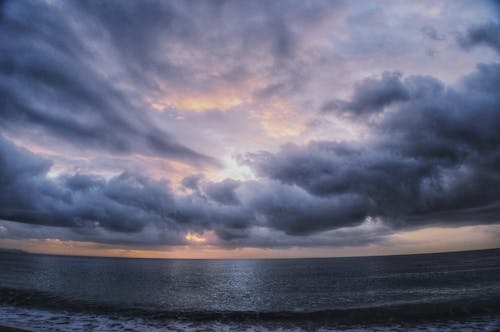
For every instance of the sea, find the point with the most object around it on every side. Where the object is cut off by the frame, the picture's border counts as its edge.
(429, 292)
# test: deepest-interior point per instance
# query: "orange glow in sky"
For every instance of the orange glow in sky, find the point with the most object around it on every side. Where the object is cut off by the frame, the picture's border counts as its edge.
(412, 242)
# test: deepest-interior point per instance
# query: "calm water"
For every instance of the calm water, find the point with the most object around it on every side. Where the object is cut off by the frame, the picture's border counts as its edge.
(396, 292)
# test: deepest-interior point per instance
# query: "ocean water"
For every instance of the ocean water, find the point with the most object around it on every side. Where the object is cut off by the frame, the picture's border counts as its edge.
(452, 291)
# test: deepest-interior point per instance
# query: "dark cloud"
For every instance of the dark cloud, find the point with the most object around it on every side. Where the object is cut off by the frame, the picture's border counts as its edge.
(371, 95)
(131, 210)
(223, 192)
(435, 159)
(485, 34)
(85, 203)
(73, 201)
(296, 212)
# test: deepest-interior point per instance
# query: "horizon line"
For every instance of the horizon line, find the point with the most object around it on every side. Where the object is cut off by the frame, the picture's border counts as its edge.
(26, 252)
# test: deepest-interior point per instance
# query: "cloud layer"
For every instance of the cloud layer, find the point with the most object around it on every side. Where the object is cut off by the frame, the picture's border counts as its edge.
(251, 124)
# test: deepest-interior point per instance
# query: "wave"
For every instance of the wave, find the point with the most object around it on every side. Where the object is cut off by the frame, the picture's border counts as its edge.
(387, 313)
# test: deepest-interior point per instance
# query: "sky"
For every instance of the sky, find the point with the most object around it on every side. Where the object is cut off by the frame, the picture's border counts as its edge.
(249, 129)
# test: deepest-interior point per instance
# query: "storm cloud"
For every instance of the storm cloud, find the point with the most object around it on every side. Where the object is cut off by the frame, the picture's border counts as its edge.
(485, 34)
(86, 203)
(435, 158)
(372, 95)
(129, 204)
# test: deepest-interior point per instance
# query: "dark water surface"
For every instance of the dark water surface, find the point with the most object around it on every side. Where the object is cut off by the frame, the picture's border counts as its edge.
(311, 293)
